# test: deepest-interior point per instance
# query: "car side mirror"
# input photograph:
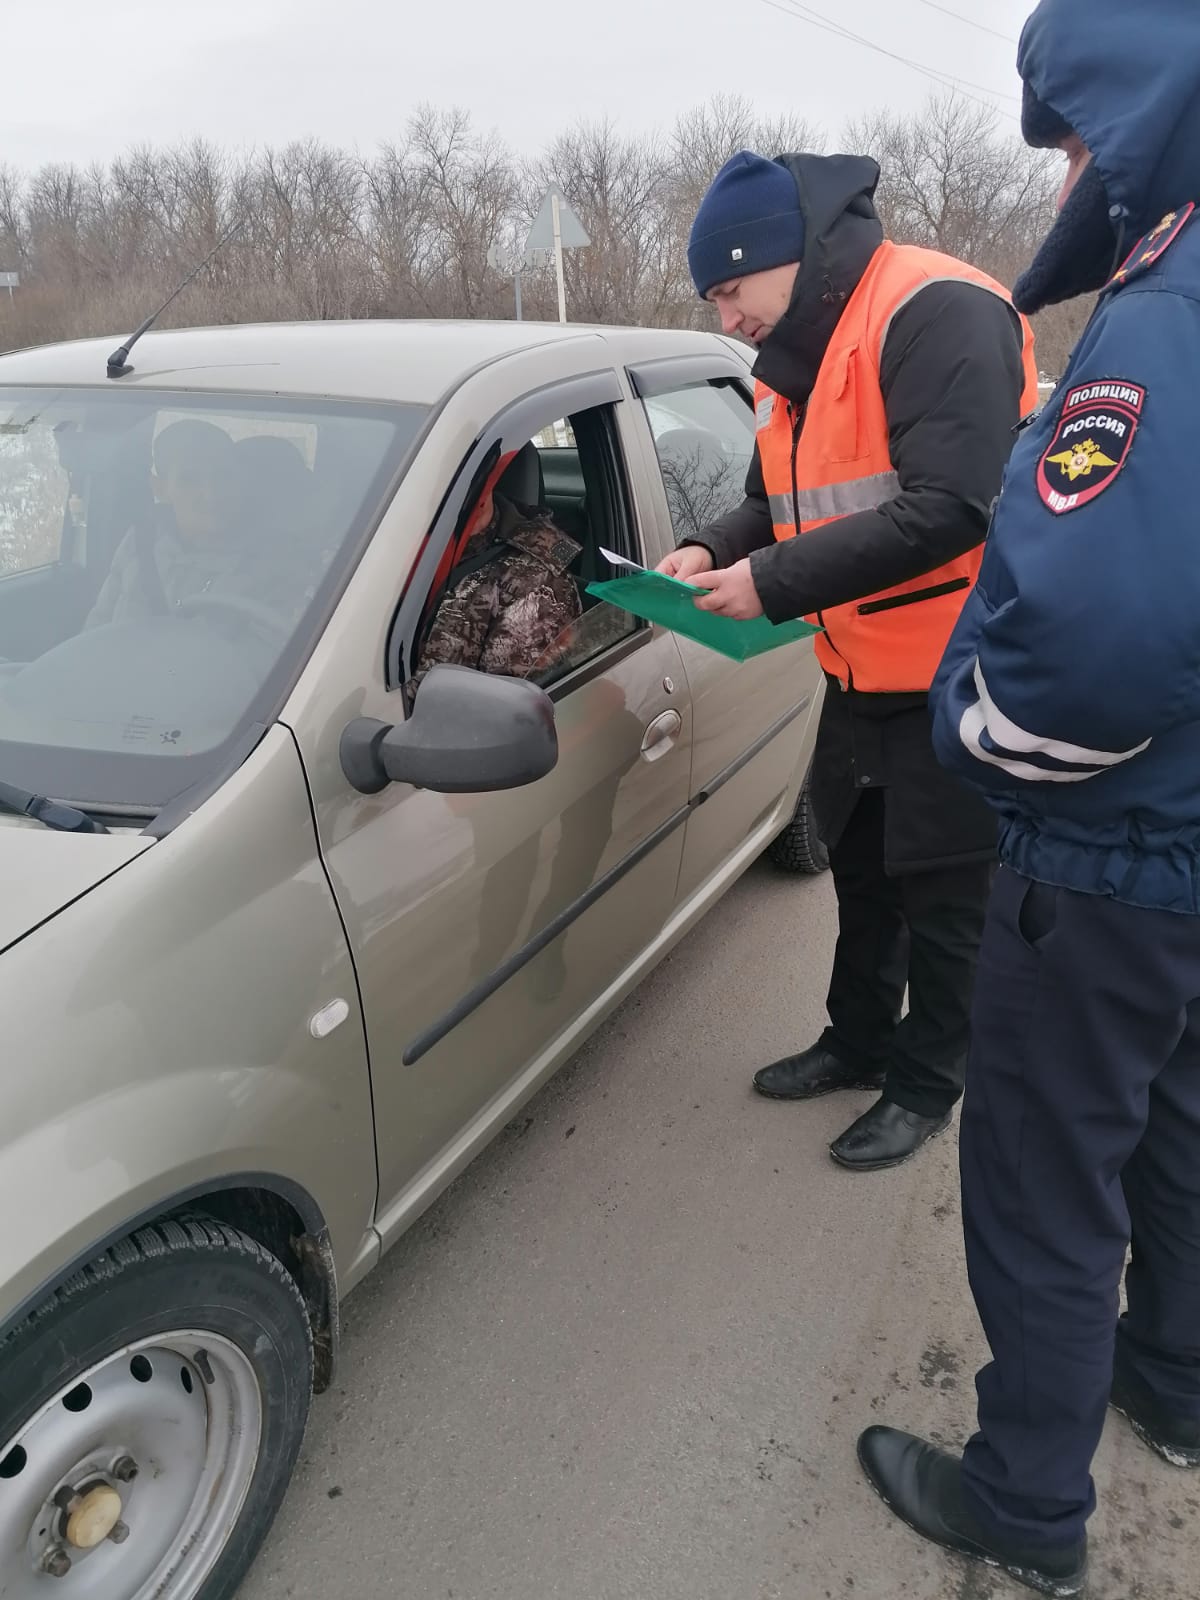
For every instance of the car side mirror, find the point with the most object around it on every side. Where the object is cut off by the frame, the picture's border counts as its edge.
(468, 734)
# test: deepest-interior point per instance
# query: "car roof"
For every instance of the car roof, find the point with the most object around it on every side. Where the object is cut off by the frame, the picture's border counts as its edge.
(408, 362)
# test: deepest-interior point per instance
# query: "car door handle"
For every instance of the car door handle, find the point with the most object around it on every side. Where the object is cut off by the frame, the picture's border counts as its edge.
(661, 735)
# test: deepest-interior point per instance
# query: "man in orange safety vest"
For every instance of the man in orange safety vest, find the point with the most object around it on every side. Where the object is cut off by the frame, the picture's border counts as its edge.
(889, 382)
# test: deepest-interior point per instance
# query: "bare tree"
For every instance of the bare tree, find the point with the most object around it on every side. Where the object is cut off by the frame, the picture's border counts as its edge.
(620, 189)
(407, 232)
(12, 218)
(303, 206)
(950, 181)
(400, 232)
(471, 189)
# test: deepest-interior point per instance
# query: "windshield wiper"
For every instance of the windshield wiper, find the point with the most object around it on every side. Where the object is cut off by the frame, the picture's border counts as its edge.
(65, 819)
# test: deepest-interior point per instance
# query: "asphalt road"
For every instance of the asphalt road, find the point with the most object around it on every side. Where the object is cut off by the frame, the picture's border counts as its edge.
(628, 1355)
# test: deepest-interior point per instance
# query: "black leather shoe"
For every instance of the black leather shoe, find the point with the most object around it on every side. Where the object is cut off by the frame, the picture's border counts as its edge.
(923, 1486)
(1175, 1439)
(811, 1074)
(887, 1136)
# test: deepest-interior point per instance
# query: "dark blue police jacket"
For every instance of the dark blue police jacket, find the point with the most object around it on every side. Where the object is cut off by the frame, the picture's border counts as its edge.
(1070, 690)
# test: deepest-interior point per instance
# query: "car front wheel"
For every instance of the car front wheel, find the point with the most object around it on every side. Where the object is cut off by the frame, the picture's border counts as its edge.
(151, 1413)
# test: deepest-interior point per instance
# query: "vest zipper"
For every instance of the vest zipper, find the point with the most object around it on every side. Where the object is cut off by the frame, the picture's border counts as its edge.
(797, 428)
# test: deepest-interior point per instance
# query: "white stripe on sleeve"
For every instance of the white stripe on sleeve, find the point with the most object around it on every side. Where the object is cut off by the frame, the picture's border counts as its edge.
(983, 717)
(1005, 732)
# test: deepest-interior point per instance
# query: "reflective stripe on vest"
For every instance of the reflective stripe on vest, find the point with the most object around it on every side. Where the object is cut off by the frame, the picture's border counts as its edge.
(844, 499)
(891, 642)
(837, 499)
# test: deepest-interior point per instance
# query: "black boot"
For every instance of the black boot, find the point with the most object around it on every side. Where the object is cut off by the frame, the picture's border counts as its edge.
(923, 1486)
(814, 1072)
(1175, 1439)
(887, 1136)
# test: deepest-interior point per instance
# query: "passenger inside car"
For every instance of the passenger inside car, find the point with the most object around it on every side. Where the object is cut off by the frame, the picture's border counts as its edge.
(274, 484)
(510, 595)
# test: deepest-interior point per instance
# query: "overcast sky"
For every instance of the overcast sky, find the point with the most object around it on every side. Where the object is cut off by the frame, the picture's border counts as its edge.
(86, 80)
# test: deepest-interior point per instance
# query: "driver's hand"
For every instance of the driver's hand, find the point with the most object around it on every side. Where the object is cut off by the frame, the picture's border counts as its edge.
(687, 563)
(556, 651)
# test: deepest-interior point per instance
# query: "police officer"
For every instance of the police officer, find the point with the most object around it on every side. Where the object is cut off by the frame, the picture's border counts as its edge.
(1070, 694)
(889, 383)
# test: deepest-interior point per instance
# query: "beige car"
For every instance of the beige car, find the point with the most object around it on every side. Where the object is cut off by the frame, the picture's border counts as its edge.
(286, 946)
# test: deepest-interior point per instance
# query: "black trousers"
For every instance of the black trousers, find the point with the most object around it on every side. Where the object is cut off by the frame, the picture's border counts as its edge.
(921, 930)
(1080, 1132)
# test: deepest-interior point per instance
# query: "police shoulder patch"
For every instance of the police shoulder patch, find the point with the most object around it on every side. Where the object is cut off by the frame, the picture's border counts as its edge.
(1095, 433)
(1147, 252)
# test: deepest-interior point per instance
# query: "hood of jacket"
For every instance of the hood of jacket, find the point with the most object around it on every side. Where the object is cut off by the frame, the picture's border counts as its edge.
(1126, 77)
(842, 234)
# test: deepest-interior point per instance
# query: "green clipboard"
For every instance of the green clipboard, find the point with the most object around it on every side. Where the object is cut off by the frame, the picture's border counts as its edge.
(672, 604)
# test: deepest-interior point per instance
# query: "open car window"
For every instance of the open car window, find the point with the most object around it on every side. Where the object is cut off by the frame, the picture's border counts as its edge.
(512, 593)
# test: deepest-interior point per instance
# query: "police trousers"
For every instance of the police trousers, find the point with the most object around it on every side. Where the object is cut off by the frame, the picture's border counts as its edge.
(1080, 1134)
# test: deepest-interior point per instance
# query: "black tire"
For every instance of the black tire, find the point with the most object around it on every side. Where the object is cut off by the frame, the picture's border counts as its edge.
(194, 1274)
(799, 847)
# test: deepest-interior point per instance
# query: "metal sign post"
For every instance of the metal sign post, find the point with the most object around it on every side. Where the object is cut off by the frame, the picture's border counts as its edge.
(558, 258)
(510, 267)
(10, 281)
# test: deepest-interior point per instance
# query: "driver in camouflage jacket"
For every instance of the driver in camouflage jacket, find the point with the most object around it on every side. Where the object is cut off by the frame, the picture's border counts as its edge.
(510, 597)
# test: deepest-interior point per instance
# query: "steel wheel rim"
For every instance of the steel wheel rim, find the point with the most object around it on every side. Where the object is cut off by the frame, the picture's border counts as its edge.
(184, 1410)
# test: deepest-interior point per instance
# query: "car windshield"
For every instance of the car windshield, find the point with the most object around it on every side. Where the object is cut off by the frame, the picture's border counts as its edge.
(164, 562)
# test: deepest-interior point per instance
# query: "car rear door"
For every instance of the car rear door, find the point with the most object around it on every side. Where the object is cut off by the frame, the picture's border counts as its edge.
(754, 722)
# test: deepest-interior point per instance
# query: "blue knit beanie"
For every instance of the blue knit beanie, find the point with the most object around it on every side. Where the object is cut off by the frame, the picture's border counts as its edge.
(749, 221)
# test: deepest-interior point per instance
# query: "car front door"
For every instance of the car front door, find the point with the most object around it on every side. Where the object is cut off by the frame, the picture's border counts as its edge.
(490, 929)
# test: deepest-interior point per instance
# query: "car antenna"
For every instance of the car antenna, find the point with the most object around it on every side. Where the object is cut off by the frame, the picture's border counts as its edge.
(118, 362)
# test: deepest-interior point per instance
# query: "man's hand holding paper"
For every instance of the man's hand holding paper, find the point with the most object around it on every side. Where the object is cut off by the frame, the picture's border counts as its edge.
(727, 593)
(687, 563)
(730, 593)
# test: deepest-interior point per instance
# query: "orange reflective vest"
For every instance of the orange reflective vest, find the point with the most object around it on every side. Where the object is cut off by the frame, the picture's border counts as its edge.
(839, 463)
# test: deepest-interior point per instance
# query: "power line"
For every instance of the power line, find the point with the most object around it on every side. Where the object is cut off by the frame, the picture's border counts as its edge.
(815, 19)
(970, 21)
(819, 19)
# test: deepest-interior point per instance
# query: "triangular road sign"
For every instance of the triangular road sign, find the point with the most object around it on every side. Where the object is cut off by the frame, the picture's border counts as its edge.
(541, 235)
